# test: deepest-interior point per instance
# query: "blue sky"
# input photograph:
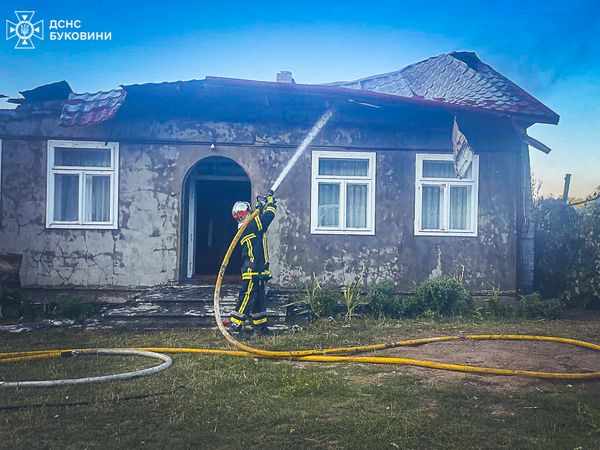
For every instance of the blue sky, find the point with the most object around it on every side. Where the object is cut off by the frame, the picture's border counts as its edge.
(550, 48)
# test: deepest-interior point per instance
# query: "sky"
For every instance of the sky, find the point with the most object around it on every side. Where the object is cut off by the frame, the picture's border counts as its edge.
(550, 48)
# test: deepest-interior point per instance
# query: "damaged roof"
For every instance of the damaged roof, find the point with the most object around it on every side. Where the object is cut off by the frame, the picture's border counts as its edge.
(85, 109)
(48, 92)
(457, 78)
(454, 81)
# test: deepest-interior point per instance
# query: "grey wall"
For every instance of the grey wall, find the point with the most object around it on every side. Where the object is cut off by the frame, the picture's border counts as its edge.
(395, 252)
(145, 249)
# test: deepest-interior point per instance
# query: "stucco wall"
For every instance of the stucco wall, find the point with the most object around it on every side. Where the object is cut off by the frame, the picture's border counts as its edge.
(140, 252)
(395, 252)
(145, 249)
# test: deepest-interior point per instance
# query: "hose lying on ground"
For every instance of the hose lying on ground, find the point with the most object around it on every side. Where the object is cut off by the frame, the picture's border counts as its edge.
(340, 354)
(326, 355)
(28, 356)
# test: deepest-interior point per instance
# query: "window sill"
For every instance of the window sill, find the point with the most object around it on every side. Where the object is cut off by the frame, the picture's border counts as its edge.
(343, 232)
(446, 233)
(77, 226)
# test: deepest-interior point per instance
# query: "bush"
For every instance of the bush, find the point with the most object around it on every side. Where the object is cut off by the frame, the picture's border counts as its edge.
(445, 296)
(315, 299)
(532, 306)
(383, 300)
(13, 307)
(567, 252)
(70, 306)
(325, 302)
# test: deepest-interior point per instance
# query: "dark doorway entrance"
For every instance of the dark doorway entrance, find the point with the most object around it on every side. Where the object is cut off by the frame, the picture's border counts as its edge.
(214, 185)
(215, 226)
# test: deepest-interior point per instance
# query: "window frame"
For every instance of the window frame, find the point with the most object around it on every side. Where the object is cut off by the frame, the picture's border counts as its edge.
(82, 171)
(343, 180)
(446, 184)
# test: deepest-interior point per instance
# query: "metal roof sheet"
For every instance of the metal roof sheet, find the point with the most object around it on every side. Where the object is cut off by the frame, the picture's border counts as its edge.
(59, 90)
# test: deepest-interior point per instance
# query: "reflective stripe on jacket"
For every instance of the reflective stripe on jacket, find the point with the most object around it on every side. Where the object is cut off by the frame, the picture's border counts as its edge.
(255, 254)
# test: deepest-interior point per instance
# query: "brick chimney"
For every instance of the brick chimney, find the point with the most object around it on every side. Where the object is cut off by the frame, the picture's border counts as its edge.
(285, 76)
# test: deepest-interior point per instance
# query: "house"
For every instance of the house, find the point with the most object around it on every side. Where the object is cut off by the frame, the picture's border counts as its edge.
(133, 187)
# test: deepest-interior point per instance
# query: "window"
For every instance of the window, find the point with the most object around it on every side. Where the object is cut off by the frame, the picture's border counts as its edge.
(445, 204)
(343, 193)
(82, 185)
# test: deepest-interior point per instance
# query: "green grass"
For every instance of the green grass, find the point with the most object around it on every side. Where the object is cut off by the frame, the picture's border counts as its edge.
(218, 402)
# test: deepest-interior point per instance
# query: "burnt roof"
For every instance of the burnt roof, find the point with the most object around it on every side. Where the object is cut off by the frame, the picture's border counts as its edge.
(454, 82)
(59, 90)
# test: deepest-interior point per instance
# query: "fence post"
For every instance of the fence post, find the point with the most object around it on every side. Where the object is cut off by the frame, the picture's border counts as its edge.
(565, 196)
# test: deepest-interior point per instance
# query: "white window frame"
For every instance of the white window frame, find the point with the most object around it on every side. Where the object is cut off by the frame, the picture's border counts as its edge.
(113, 171)
(445, 183)
(369, 180)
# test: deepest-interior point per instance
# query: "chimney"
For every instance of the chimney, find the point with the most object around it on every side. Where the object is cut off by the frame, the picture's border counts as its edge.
(285, 76)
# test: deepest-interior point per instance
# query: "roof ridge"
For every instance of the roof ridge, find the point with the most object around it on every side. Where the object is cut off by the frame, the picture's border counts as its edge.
(382, 75)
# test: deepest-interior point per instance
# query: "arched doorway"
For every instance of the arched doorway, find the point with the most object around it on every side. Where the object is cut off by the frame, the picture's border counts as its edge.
(211, 187)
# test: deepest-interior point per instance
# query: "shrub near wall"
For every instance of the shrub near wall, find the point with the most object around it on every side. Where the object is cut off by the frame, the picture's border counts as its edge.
(384, 301)
(532, 306)
(440, 296)
(444, 296)
(567, 252)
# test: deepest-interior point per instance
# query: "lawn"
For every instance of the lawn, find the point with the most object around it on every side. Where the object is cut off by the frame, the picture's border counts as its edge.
(220, 402)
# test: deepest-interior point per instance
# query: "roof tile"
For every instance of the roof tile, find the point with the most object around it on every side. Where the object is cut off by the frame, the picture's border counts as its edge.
(459, 78)
(86, 109)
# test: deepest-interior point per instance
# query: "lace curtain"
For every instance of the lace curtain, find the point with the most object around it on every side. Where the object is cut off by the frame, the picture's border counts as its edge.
(459, 216)
(96, 188)
(329, 205)
(356, 206)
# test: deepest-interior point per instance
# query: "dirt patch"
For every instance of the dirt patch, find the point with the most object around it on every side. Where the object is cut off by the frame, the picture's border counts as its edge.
(521, 355)
(535, 356)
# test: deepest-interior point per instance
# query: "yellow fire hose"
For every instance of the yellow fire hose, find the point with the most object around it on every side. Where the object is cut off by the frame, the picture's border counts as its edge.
(340, 354)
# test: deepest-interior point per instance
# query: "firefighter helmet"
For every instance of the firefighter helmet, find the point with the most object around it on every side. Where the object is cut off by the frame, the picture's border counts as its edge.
(240, 211)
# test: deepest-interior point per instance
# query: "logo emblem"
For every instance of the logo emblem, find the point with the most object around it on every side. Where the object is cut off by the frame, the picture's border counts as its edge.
(25, 30)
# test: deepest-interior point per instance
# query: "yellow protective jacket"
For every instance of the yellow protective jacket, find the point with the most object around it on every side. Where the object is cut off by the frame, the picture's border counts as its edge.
(255, 254)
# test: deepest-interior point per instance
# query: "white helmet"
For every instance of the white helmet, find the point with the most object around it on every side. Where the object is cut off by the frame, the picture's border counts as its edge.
(240, 211)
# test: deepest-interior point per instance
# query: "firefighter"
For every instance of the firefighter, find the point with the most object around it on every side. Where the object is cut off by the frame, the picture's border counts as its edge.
(252, 301)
